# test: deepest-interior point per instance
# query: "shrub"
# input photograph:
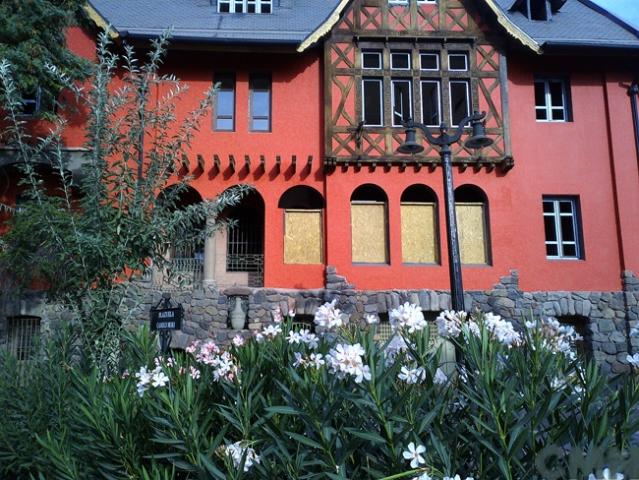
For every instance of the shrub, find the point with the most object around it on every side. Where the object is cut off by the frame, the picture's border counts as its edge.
(288, 403)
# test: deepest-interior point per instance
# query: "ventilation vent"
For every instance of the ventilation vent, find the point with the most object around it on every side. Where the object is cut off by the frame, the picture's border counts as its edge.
(539, 10)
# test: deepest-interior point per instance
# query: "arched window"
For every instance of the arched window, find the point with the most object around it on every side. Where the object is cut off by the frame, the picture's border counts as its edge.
(369, 225)
(303, 225)
(420, 237)
(471, 206)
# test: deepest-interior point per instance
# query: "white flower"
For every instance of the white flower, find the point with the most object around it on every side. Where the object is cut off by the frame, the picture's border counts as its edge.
(277, 315)
(606, 475)
(633, 360)
(144, 380)
(294, 337)
(412, 376)
(502, 330)
(159, 379)
(414, 454)
(407, 317)
(224, 367)
(329, 317)
(423, 476)
(634, 332)
(440, 377)
(457, 477)
(346, 360)
(371, 319)
(238, 340)
(396, 345)
(194, 372)
(308, 338)
(271, 331)
(237, 450)
(449, 323)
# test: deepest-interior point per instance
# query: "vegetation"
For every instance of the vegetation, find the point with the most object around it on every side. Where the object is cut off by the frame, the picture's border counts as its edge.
(291, 404)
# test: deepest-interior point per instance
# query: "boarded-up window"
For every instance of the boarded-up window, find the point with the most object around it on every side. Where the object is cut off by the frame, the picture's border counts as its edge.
(419, 240)
(303, 236)
(368, 225)
(471, 225)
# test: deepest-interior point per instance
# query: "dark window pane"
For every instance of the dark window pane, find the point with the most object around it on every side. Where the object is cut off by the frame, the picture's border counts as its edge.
(567, 229)
(372, 60)
(250, 8)
(372, 91)
(558, 114)
(556, 94)
(266, 7)
(565, 207)
(540, 94)
(542, 114)
(429, 61)
(551, 250)
(458, 61)
(400, 60)
(570, 250)
(430, 103)
(549, 207)
(224, 7)
(459, 101)
(549, 226)
(402, 110)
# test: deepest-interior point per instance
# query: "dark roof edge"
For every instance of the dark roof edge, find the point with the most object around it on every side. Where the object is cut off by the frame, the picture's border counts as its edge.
(602, 11)
(211, 41)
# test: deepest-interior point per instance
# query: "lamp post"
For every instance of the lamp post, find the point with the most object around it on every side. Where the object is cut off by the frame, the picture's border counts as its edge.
(477, 140)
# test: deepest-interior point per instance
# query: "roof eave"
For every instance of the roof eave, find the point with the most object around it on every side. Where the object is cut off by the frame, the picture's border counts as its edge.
(100, 21)
(176, 37)
(513, 29)
(323, 28)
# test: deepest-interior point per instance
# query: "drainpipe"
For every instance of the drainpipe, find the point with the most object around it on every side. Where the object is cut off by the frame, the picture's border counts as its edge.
(633, 93)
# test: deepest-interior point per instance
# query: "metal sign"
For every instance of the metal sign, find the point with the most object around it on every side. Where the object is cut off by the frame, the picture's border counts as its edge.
(167, 318)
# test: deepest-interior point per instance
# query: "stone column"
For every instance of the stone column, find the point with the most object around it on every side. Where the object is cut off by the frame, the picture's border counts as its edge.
(209, 256)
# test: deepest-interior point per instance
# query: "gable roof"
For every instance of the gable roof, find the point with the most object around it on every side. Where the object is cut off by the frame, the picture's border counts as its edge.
(302, 23)
(198, 20)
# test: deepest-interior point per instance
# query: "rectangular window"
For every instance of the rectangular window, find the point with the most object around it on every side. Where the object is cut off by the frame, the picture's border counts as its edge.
(471, 226)
(245, 6)
(225, 102)
(31, 103)
(429, 61)
(369, 232)
(552, 100)
(458, 62)
(401, 101)
(260, 102)
(459, 100)
(400, 60)
(22, 333)
(372, 60)
(562, 227)
(303, 236)
(419, 241)
(431, 103)
(372, 102)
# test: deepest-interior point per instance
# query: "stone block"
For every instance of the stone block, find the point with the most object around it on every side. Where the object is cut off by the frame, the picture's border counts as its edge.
(606, 325)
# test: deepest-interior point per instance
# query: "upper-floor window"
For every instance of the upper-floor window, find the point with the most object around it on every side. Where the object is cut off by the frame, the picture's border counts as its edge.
(31, 103)
(245, 6)
(562, 227)
(432, 84)
(260, 102)
(405, 2)
(225, 102)
(552, 100)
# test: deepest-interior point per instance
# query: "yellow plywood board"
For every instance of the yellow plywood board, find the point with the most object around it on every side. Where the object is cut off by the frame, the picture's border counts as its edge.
(303, 236)
(419, 238)
(471, 225)
(369, 239)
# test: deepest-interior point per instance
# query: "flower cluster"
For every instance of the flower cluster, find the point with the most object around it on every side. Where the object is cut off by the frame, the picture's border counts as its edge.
(502, 330)
(305, 337)
(147, 379)
(314, 360)
(269, 332)
(449, 323)
(236, 451)
(329, 317)
(346, 360)
(407, 317)
(414, 455)
(412, 376)
(208, 353)
(556, 337)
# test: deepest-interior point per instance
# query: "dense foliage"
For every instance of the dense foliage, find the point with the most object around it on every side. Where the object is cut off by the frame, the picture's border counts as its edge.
(288, 403)
(32, 37)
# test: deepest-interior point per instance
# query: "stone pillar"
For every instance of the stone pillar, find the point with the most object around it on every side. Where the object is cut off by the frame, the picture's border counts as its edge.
(631, 297)
(209, 256)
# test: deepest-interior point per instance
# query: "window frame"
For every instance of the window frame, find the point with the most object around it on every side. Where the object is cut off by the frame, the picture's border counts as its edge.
(437, 56)
(408, 56)
(379, 55)
(216, 115)
(469, 98)
(258, 4)
(252, 89)
(380, 81)
(36, 101)
(409, 82)
(320, 212)
(422, 81)
(548, 106)
(575, 215)
(386, 231)
(458, 54)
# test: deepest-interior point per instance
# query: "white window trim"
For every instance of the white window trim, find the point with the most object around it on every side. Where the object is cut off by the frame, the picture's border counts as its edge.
(378, 54)
(548, 106)
(439, 100)
(408, 54)
(458, 54)
(381, 101)
(421, 66)
(560, 242)
(466, 82)
(232, 3)
(410, 99)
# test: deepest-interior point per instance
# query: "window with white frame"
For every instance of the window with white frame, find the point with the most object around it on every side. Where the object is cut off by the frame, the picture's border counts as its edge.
(401, 101)
(225, 102)
(260, 102)
(31, 103)
(552, 100)
(373, 102)
(245, 6)
(562, 228)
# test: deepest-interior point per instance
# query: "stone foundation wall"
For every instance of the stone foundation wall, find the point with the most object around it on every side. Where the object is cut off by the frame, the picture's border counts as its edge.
(605, 317)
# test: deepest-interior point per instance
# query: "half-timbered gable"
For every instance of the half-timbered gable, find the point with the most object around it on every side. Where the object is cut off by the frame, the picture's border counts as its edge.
(387, 61)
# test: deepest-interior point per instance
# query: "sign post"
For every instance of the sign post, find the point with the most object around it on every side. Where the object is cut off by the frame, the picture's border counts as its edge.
(166, 316)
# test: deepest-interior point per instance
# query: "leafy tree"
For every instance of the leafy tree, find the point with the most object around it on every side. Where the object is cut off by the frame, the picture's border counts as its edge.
(87, 236)
(32, 37)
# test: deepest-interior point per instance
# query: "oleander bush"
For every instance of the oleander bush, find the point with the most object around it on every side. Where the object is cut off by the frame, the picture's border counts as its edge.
(338, 404)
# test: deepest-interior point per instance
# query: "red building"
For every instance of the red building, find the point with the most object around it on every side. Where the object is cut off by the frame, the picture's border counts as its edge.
(313, 95)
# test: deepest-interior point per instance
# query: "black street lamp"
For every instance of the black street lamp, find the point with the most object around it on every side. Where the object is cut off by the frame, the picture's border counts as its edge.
(444, 141)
